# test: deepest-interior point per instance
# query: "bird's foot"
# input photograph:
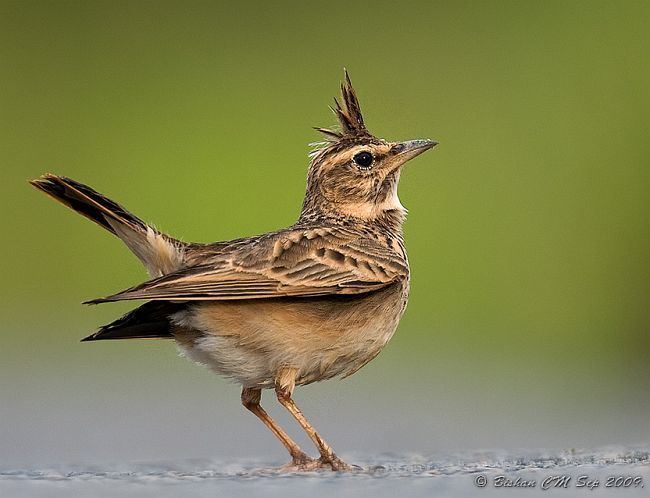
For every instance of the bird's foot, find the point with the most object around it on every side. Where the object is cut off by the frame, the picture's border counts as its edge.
(335, 463)
(301, 462)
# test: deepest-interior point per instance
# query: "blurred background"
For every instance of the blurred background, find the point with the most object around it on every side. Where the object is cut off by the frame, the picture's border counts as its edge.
(528, 231)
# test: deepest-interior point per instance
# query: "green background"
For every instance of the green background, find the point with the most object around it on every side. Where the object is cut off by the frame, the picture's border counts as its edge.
(528, 229)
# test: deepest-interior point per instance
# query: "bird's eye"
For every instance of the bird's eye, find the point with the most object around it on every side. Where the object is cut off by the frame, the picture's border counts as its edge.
(363, 159)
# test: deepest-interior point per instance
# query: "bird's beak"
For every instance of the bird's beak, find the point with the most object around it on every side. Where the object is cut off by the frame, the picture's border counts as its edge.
(412, 148)
(405, 151)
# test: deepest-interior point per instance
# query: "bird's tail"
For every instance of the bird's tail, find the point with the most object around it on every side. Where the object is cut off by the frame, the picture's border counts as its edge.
(160, 253)
(149, 321)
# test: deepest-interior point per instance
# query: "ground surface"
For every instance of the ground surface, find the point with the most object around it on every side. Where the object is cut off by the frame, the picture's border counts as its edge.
(382, 475)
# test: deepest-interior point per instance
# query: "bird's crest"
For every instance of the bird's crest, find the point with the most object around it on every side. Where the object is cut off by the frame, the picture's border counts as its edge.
(348, 113)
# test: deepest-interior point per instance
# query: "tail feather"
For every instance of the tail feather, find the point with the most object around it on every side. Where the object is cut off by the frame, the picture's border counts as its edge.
(149, 321)
(160, 253)
(87, 202)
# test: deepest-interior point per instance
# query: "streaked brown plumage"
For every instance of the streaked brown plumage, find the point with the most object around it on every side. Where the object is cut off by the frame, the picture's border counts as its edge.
(314, 301)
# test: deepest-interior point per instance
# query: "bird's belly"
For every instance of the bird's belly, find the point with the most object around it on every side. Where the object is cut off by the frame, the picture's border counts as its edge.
(250, 341)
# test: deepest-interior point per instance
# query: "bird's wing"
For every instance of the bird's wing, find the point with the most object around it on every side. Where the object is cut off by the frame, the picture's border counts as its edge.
(297, 262)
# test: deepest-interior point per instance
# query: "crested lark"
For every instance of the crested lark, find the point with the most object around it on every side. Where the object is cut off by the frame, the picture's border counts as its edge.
(314, 301)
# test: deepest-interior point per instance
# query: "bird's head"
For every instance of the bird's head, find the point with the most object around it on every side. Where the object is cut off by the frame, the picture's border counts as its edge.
(353, 173)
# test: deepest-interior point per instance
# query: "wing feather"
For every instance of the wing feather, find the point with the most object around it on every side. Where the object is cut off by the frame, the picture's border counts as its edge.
(298, 263)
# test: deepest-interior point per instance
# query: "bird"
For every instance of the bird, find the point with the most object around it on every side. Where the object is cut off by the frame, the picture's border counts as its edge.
(314, 301)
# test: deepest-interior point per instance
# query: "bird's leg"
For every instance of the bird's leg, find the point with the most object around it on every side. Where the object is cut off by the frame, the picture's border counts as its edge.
(284, 386)
(250, 398)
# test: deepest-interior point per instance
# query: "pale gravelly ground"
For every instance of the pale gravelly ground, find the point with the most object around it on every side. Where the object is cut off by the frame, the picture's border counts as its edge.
(382, 475)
